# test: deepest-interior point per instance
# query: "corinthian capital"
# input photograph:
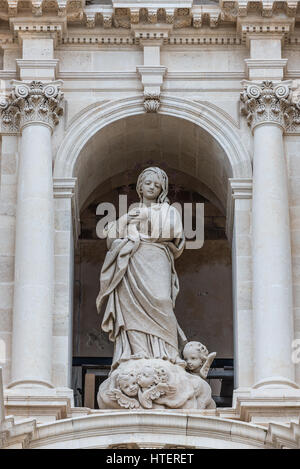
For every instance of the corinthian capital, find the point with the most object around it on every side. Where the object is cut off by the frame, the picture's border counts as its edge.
(31, 102)
(269, 103)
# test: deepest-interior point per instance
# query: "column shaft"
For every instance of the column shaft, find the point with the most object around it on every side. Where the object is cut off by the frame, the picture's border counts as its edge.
(272, 279)
(34, 261)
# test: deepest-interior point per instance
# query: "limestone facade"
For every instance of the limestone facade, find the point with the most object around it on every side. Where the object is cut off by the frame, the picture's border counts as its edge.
(93, 91)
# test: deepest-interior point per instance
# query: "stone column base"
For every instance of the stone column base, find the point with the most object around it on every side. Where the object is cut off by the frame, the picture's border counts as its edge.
(45, 405)
(264, 405)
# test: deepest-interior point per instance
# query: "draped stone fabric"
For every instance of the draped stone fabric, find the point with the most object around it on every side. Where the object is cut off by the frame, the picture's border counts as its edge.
(139, 283)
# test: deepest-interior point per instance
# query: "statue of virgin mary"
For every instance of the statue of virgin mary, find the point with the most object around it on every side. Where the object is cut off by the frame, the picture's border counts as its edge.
(138, 281)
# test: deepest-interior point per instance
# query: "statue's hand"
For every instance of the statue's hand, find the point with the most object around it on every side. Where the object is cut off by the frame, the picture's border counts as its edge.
(137, 215)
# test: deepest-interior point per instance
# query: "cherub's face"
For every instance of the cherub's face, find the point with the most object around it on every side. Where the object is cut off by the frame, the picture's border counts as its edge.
(193, 359)
(128, 384)
(146, 377)
(162, 375)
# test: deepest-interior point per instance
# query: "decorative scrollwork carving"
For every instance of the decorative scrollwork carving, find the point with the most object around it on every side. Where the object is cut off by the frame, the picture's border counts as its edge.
(266, 102)
(33, 102)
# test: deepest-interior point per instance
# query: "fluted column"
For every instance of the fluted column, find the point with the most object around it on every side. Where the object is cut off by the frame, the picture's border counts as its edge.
(35, 108)
(269, 110)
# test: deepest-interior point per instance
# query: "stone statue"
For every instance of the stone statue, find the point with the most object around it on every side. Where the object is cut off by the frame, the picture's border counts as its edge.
(198, 359)
(139, 284)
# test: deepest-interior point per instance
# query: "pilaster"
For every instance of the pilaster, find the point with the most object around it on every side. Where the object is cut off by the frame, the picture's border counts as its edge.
(238, 230)
(152, 72)
(67, 229)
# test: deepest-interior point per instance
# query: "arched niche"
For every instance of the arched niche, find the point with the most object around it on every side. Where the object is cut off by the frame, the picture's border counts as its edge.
(107, 146)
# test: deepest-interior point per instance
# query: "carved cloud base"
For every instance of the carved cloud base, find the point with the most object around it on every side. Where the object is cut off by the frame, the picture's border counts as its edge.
(154, 384)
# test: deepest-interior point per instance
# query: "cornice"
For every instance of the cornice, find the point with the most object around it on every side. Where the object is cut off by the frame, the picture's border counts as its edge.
(127, 23)
(40, 64)
(178, 14)
(72, 22)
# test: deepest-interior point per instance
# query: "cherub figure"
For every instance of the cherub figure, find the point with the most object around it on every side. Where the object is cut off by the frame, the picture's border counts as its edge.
(150, 386)
(128, 389)
(198, 359)
(147, 377)
(162, 374)
(127, 382)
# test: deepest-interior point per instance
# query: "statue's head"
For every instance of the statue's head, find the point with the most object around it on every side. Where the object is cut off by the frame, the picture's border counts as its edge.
(127, 382)
(158, 180)
(147, 377)
(194, 354)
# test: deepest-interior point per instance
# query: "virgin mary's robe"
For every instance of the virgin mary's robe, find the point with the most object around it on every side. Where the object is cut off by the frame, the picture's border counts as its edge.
(139, 283)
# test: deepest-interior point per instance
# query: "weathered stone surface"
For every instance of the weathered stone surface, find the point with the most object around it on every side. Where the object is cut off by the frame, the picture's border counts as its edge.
(154, 384)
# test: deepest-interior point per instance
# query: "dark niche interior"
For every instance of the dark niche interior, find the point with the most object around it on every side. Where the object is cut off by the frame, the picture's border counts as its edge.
(204, 303)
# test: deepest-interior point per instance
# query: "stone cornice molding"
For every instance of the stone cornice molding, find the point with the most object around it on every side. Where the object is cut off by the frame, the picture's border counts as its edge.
(238, 188)
(38, 27)
(263, 8)
(67, 188)
(268, 102)
(179, 14)
(25, 65)
(117, 37)
(256, 27)
(156, 72)
(144, 34)
(29, 103)
(266, 63)
(255, 69)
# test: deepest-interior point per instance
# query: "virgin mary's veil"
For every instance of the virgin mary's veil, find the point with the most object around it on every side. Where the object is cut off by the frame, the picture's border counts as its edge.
(163, 179)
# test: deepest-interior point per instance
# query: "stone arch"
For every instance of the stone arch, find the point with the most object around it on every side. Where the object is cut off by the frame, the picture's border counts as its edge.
(151, 429)
(213, 122)
(101, 130)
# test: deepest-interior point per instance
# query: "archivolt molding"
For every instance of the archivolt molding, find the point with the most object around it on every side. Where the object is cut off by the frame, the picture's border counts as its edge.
(92, 119)
(147, 429)
(150, 430)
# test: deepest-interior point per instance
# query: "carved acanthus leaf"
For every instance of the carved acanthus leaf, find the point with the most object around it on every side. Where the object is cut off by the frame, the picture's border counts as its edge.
(267, 102)
(33, 102)
(151, 102)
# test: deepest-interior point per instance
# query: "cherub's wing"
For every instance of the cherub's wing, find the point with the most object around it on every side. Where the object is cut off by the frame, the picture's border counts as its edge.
(164, 388)
(122, 399)
(206, 366)
(154, 393)
(145, 399)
